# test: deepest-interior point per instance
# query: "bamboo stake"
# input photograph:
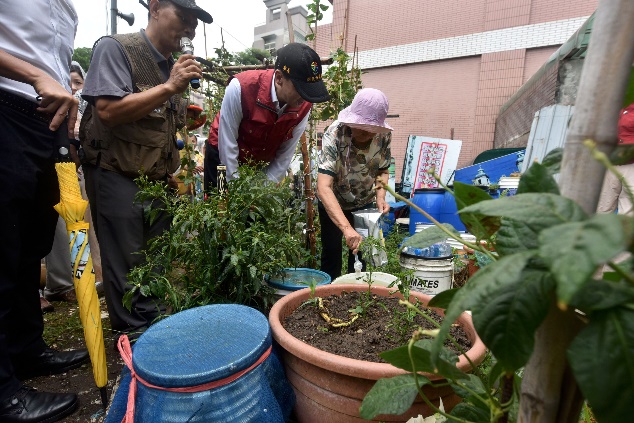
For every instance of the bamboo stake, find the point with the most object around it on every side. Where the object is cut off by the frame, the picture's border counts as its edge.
(549, 392)
(310, 197)
(291, 31)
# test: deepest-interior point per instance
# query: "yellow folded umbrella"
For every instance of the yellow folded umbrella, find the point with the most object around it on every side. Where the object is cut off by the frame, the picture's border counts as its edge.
(72, 208)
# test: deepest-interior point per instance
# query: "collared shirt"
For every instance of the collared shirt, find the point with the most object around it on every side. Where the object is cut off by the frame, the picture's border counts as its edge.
(43, 36)
(110, 73)
(230, 119)
(354, 169)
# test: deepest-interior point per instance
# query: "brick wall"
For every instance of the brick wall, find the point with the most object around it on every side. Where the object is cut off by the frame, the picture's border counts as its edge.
(501, 74)
(535, 59)
(430, 99)
(380, 23)
(514, 124)
(549, 10)
(507, 13)
(452, 64)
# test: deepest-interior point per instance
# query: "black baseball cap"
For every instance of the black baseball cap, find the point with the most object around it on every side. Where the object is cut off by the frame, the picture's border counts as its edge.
(191, 4)
(302, 65)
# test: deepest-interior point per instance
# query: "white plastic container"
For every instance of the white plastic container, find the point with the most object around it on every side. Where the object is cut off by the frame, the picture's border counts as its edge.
(431, 275)
(507, 182)
(378, 278)
(423, 226)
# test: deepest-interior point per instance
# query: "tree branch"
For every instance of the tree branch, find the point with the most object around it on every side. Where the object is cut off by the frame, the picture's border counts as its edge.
(549, 392)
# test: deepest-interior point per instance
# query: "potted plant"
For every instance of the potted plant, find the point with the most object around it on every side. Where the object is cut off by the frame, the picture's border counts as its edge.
(548, 249)
(330, 387)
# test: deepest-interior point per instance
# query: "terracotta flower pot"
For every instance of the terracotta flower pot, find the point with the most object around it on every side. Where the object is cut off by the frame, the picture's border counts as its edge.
(330, 388)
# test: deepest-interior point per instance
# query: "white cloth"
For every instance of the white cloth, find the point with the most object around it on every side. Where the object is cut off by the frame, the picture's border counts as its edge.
(230, 119)
(613, 195)
(43, 39)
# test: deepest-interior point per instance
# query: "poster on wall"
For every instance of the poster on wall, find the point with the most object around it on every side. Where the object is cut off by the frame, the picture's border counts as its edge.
(424, 154)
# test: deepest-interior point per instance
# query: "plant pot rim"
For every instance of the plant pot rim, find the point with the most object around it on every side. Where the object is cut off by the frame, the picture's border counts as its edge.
(348, 366)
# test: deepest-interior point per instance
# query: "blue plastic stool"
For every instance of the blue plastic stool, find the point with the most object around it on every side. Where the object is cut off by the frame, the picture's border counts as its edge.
(199, 346)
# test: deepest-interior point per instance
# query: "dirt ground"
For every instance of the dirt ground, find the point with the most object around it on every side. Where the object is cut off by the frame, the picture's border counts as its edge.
(63, 331)
(382, 328)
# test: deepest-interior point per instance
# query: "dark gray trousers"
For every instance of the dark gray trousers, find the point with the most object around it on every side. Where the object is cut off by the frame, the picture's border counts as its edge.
(122, 231)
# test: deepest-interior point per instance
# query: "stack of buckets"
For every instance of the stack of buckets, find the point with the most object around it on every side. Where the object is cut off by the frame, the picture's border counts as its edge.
(432, 269)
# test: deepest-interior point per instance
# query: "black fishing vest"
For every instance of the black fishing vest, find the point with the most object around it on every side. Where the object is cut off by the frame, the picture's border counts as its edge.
(146, 146)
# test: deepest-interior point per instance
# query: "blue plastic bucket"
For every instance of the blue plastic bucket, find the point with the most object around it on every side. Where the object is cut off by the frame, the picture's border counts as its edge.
(449, 212)
(295, 278)
(428, 199)
(199, 346)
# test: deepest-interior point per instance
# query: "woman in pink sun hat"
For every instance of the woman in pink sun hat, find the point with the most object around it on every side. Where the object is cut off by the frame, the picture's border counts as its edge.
(355, 150)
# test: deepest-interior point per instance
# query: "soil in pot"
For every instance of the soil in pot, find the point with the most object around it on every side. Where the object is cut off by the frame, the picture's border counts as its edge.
(384, 326)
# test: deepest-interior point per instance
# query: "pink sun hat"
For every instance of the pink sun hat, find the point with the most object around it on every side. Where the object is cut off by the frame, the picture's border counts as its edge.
(367, 111)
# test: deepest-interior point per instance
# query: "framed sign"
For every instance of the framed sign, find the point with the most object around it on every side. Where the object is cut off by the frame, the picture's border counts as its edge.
(425, 155)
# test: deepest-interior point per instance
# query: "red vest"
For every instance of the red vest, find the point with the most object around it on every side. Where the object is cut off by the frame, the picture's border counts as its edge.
(261, 132)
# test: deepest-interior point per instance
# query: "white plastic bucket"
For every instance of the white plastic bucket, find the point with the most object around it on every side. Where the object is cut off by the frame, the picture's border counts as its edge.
(378, 278)
(431, 275)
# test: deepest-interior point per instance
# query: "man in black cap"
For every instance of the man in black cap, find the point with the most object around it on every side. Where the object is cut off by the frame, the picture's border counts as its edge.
(134, 91)
(264, 113)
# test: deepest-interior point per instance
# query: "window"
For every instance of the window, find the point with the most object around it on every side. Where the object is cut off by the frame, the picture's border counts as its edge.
(275, 13)
(270, 47)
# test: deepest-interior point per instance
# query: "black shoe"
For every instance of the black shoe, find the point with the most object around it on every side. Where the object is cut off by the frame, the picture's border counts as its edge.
(29, 406)
(49, 362)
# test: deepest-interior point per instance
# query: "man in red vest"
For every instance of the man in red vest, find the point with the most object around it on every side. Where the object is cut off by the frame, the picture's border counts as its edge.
(264, 113)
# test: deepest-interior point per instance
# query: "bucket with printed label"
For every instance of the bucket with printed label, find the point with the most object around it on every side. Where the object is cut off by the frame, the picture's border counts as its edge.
(432, 275)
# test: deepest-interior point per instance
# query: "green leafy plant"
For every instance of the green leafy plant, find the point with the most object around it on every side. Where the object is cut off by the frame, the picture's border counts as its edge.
(316, 9)
(219, 250)
(312, 285)
(548, 248)
(343, 80)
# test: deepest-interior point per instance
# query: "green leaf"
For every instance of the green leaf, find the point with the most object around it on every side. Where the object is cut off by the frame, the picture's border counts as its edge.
(467, 388)
(602, 359)
(145, 290)
(469, 413)
(323, 7)
(497, 370)
(430, 236)
(574, 250)
(445, 365)
(538, 178)
(477, 224)
(393, 395)
(622, 154)
(471, 384)
(600, 295)
(515, 236)
(506, 315)
(540, 211)
(442, 299)
(498, 273)
(552, 161)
